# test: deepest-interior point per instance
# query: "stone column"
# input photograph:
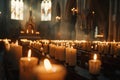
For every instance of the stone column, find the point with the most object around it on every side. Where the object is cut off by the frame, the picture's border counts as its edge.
(115, 21)
(82, 6)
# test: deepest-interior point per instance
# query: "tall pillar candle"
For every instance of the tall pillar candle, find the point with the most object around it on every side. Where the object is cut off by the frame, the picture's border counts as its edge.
(62, 53)
(94, 65)
(49, 71)
(14, 54)
(26, 66)
(67, 55)
(73, 57)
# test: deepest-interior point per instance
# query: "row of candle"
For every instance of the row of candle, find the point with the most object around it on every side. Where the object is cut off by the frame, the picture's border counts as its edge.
(27, 63)
(29, 68)
(61, 53)
(102, 47)
(29, 32)
(44, 71)
(69, 55)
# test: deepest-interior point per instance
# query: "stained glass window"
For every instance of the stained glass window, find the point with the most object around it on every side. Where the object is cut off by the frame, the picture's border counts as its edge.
(46, 10)
(17, 9)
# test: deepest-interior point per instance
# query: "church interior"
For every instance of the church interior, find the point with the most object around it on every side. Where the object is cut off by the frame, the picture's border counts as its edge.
(59, 40)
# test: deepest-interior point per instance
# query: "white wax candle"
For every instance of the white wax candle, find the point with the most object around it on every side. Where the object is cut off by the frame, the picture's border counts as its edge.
(14, 54)
(62, 53)
(52, 50)
(26, 67)
(57, 52)
(49, 72)
(71, 56)
(94, 65)
(67, 55)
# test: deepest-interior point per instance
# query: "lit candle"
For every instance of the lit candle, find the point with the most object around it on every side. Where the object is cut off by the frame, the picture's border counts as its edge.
(26, 66)
(27, 31)
(32, 31)
(94, 65)
(49, 71)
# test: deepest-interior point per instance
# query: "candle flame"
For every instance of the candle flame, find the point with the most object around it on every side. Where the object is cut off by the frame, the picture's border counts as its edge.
(95, 56)
(47, 65)
(32, 31)
(16, 43)
(27, 31)
(29, 54)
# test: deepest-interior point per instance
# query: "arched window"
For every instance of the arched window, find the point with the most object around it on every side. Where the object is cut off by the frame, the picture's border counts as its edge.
(17, 9)
(46, 10)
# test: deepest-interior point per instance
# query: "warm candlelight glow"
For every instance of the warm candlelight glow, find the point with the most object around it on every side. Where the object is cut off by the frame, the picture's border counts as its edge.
(16, 43)
(114, 41)
(94, 65)
(29, 54)
(58, 18)
(37, 32)
(32, 31)
(47, 65)
(21, 32)
(27, 31)
(95, 56)
(74, 10)
(6, 41)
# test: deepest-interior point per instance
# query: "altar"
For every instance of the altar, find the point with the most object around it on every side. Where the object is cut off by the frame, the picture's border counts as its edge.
(30, 31)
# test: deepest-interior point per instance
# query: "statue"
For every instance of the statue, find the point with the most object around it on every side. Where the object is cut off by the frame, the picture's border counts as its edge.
(30, 25)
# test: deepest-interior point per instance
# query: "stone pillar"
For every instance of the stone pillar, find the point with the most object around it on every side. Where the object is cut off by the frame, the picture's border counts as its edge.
(115, 21)
(118, 22)
(82, 6)
(112, 33)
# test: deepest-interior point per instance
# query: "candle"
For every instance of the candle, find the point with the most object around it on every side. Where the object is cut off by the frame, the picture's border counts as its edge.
(32, 31)
(26, 66)
(60, 53)
(49, 71)
(67, 55)
(52, 50)
(14, 54)
(27, 31)
(94, 65)
(12, 58)
(71, 56)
